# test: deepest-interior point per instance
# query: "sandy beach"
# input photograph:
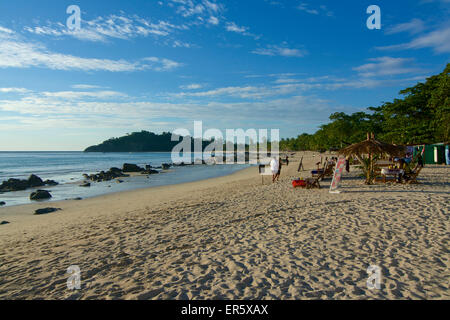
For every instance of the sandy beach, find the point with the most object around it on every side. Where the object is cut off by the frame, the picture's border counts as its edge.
(235, 238)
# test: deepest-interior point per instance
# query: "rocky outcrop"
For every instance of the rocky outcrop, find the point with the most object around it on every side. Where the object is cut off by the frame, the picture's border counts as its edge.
(129, 167)
(50, 183)
(40, 195)
(14, 185)
(109, 175)
(86, 184)
(150, 171)
(35, 181)
(32, 182)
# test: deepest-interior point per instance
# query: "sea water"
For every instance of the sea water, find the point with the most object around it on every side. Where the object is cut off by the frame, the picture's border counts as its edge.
(67, 168)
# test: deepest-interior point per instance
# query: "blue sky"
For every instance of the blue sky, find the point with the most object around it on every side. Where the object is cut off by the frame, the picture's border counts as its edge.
(160, 65)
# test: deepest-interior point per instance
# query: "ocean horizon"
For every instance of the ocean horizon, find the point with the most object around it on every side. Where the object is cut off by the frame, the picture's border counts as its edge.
(67, 168)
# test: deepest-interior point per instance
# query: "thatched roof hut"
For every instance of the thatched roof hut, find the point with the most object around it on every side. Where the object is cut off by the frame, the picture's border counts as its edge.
(372, 146)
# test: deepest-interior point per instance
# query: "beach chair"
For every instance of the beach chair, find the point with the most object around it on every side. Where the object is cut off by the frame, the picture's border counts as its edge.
(378, 177)
(411, 178)
(321, 173)
(328, 171)
(312, 183)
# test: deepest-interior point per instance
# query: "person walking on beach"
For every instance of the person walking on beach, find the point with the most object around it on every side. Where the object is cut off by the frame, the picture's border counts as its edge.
(279, 169)
(274, 166)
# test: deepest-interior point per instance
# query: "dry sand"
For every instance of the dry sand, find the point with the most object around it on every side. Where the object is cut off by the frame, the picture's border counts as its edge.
(234, 238)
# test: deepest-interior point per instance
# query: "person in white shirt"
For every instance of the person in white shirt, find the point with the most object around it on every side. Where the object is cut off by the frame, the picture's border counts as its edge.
(274, 168)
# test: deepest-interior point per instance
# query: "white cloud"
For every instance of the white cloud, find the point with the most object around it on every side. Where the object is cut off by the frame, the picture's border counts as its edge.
(250, 92)
(110, 109)
(304, 7)
(193, 86)
(76, 95)
(438, 40)
(14, 90)
(386, 66)
(286, 80)
(112, 26)
(15, 53)
(86, 86)
(196, 8)
(181, 44)
(213, 20)
(40, 111)
(322, 9)
(161, 64)
(412, 27)
(5, 31)
(211, 6)
(233, 27)
(281, 50)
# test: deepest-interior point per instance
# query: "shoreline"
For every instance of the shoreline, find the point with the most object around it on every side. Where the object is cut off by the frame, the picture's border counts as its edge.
(25, 210)
(69, 189)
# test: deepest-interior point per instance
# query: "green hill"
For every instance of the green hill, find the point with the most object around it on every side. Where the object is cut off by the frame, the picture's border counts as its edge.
(143, 141)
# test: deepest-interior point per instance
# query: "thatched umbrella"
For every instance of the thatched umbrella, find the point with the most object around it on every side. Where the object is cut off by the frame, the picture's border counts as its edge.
(371, 147)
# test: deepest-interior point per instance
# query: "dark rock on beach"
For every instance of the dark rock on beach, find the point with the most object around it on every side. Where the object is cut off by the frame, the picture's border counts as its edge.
(129, 167)
(14, 185)
(46, 210)
(165, 166)
(2, 203)
(35, 181)
(50, 183)
(17, 184)
(109, 175)
(115, 170)
(86, 184)
(40, 195)
(151, 171)
(4, 222)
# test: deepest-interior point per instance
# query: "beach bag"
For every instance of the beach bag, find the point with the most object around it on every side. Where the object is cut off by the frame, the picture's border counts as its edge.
(298, 183)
